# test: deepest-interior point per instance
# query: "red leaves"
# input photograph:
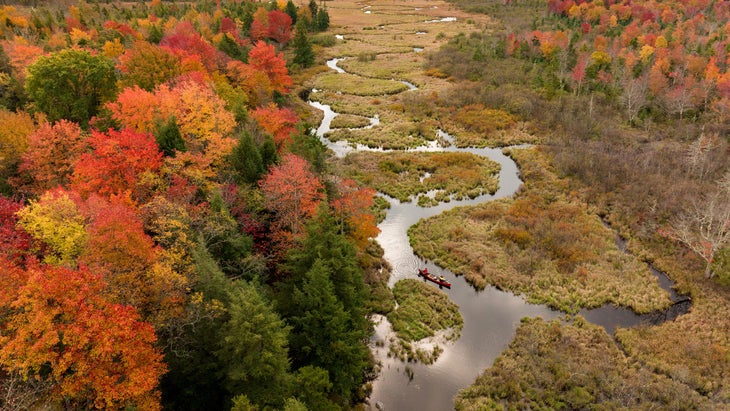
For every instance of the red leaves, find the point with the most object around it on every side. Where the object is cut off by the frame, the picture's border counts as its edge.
(117, 164)
(279, 122)
(293, 192)
(353, 208)
(263, 57)
(97, 354)
(279, 26)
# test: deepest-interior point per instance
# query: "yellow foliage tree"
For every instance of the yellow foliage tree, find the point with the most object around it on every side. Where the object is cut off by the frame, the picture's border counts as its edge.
(56, 221)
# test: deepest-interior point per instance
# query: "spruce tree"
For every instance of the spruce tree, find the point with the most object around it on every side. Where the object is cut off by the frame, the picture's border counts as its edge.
(246, 159)
(303, 53)
(253, 348)
(169, 139)
(291, 10)
(322, 336)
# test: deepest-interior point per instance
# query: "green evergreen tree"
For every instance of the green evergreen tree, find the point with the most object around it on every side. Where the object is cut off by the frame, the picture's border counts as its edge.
(323, 20)
(311, 386)
(155, 35)
(232, 49)
(291, 10)
(253, 348)
(324, 244)
(313, 9)
(246, 159)
(169, 139)
(268, 152)
(303, 53)
(322, 336)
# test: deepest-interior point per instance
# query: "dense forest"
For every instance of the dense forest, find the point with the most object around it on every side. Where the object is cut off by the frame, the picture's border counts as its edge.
(173, 236)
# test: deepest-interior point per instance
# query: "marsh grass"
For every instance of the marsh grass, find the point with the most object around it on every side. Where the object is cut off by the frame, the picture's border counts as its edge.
(384, 66)
(545, 244)
(349, 121)
(550, 365)
(423, 315)
(406, 176)
(357, 85)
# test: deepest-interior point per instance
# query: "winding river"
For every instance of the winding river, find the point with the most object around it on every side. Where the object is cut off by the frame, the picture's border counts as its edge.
(490, 316)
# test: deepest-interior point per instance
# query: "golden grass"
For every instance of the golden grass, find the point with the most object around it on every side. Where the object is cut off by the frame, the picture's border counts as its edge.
(357, 85)
(550, 365)
(349, 121)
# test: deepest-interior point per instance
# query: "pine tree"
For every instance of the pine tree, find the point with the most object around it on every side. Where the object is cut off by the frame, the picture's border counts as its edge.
(323, 19)
(246, 159)
(322, 335)
(303, 53)
(254, 348)
(169, 139)
(291, 10)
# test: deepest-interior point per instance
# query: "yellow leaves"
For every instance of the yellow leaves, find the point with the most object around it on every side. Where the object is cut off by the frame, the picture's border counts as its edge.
(79, 37)
(600, 58)
(112, 49)
(660, 42)
(16, 127)
(646, 53)
(56, 221)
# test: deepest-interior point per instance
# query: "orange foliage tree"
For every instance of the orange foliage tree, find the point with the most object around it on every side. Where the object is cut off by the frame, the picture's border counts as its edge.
(117, 164)
(127, 258)
(59, 328)
(292, 192)
(279, 122)
(52, 151)
(352, 209)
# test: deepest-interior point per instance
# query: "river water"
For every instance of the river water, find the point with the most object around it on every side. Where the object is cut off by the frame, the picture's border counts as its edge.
(490, 316)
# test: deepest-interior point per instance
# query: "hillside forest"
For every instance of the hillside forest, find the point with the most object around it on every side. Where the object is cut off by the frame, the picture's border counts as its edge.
(173, 236)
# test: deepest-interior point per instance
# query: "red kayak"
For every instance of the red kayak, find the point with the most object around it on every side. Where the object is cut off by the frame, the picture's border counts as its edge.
(441, 281)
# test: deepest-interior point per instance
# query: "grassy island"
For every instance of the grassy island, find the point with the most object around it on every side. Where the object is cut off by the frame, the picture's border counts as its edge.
(407, 176)
(422, 312)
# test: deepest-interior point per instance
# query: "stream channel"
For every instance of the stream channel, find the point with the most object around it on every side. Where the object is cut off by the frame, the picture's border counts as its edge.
(491, 316)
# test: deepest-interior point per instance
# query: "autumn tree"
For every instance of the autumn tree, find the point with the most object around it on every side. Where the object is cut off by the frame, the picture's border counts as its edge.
(14, 139)
(121, 252)
(93, 353)
(15, 243)
(279, 26)
(278, 122)
(292, 192)
(263, 57)
(352, 210)
(118, 164)
(147, 66)
(52, 151)
(71, 84)
(56, 221)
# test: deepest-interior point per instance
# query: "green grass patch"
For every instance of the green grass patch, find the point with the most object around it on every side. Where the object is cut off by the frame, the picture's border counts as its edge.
(356, 85)
(422, 311)
(544, 244)
(550, 365)
(405, 176)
